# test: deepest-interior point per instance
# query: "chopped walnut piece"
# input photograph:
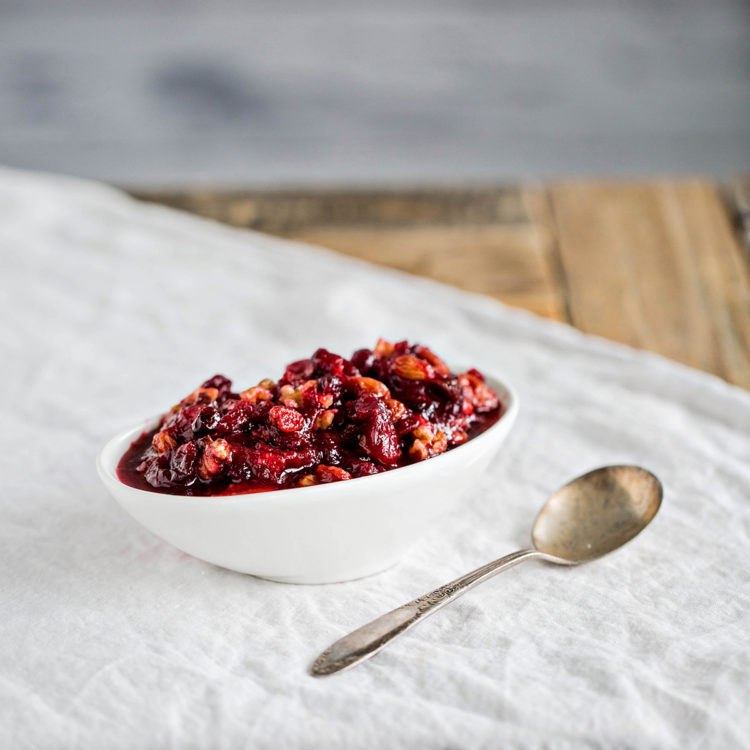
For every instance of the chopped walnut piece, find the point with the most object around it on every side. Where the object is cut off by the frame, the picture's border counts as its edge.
(325, 400)
(287, 396)
(383, 348)
(371, 385)
(423, 431)
(433, 359)
(418, 451)
(214, 458)
(439, 443)
(163, 442)
(256, 394)
(295, 396)
(423, 448)
(325, 420)
(396, 408)
(413, 368)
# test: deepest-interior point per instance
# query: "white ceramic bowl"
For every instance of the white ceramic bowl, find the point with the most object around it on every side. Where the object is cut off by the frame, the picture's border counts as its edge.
(320, 534)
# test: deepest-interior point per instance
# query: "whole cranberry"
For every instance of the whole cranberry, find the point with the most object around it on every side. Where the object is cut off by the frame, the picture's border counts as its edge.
(222, 384)
(360, 408)
(327, 363)
(184, 463)
(363, 360)
(379, 440)
(329, 444)
(298, 371)
(206, 421)
(286, 419)
(406, 424)
(331, 385)
(182, 421)
(266, 463)
(241, 469)
(156, 471)
(414, 393)
(237, 417)
(449, 388)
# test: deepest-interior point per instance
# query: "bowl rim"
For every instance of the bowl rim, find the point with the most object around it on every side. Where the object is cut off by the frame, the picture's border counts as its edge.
(107, 469)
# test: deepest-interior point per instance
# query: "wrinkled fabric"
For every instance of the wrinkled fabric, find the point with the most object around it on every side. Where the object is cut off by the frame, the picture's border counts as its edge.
(109, 637)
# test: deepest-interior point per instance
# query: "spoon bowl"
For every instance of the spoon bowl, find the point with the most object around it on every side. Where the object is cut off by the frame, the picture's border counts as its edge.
(596, 513)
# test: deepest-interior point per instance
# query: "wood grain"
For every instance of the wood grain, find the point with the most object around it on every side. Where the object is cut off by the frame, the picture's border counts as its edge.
(656, 265)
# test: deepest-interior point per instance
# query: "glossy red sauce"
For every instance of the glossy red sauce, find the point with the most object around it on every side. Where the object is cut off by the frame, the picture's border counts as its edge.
(327, 419)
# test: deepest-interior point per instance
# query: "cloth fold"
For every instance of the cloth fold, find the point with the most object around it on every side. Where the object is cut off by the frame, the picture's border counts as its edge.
(109, 637)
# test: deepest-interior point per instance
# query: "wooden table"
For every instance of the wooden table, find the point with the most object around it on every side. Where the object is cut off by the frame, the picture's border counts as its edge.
(660, 265)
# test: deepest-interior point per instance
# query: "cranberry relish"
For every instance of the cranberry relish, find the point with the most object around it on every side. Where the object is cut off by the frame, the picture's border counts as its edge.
(326, 420)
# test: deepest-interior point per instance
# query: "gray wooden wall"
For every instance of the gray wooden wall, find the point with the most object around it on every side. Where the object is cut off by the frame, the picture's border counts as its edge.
(298, 91)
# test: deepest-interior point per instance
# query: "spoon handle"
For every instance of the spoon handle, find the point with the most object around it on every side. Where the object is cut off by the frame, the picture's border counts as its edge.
(366, 641)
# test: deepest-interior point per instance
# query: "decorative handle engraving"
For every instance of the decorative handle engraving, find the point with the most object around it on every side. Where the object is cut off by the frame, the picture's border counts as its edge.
(366, 641)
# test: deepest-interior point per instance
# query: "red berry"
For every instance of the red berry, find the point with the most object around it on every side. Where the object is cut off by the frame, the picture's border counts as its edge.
(286, 419)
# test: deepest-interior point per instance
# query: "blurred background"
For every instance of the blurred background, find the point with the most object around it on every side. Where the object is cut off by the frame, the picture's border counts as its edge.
(298, 92)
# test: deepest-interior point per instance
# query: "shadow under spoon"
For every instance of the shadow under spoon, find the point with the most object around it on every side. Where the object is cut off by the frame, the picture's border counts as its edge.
(587, 518)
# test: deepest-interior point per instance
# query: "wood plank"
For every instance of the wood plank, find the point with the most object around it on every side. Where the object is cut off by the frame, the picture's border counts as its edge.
(481, 239)
(657, 266)
(285, 211)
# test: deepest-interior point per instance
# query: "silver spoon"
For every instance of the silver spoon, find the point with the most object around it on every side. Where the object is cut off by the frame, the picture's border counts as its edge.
(593, 515)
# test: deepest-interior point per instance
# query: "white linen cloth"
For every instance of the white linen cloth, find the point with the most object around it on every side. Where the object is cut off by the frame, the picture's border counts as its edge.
(111, 638)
